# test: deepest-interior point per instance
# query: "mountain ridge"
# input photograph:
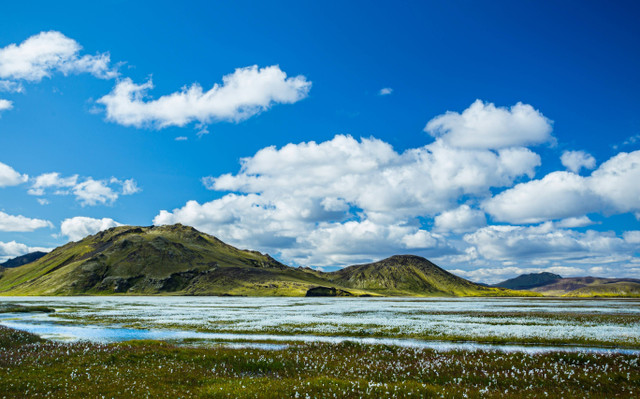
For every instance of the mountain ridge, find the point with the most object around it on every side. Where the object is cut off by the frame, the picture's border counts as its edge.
(22, 259)
(180, 260)
(528, 281)
(577, 287)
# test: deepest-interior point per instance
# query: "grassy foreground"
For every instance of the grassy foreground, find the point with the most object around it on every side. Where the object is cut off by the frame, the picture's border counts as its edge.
(31, 367)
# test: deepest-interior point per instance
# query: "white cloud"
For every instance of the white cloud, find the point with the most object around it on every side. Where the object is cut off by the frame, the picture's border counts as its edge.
(612, 188)
(632, 237)
(129, 186)
(9, 177)
(385, 91)
(305, 199)
(242, 94)
(88, 192)
(94, 192)
(500, 252)
(576, 160)
(460, 220)
(370, 175)
(21, 223)
(617, 182)
(581, 221)
(42, 54)
(483, 126)
(530, 202)
(181, 138)
(5, 104)
(11, 87)
(12, 249)
(78, 227)
(47, 180)
(545, 243)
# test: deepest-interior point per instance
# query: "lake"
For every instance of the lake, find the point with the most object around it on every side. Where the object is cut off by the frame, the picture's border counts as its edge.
(440, 323)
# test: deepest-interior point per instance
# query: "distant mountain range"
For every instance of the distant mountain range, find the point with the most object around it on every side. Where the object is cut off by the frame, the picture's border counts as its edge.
(23, 260)
(550, 284)
(179, 260)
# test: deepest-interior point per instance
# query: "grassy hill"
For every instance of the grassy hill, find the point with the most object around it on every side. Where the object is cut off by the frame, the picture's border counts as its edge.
(408, 275)
(179, 260)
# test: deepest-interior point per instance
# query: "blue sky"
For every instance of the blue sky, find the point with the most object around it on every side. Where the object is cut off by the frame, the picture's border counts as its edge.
(494, 139)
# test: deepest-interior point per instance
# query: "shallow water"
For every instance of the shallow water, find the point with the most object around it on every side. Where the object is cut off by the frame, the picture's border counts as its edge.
(109, 319)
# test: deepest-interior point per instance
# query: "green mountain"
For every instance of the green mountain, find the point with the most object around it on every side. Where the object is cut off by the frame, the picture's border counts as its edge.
(179, 260)
(23, 260)
(407, 275)
(528, 281)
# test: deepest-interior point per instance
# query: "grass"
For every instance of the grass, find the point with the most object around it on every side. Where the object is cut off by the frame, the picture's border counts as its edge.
(31, 367)
(15, 308)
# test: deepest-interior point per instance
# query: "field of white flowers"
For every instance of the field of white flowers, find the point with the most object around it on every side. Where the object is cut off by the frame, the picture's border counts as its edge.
(494, 320)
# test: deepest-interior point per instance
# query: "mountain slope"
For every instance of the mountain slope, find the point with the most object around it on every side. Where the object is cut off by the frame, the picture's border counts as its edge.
(151, 260)
(409, 275)
(23, 260)
(528, 281)
(180, 260)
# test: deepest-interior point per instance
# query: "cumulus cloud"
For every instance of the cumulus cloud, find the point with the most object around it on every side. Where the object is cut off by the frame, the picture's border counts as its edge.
(46, 180)
(41, 55)
(12, 249)
(305, 199)
(576, 160)
(346, 201)
(94, 192)
(484, 126)
(88, 192)
(385, 91)
(612, 188)
(632, 237)
(21, 223)
(581, 221)
(78, 227)
(9, 177)
(460, 220)
(370, 175)
(545, 243)
(5, 104)
(241, 95)
(530, 202)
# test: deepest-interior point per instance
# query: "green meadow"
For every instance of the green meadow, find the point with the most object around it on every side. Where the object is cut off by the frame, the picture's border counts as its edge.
(31, 367)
